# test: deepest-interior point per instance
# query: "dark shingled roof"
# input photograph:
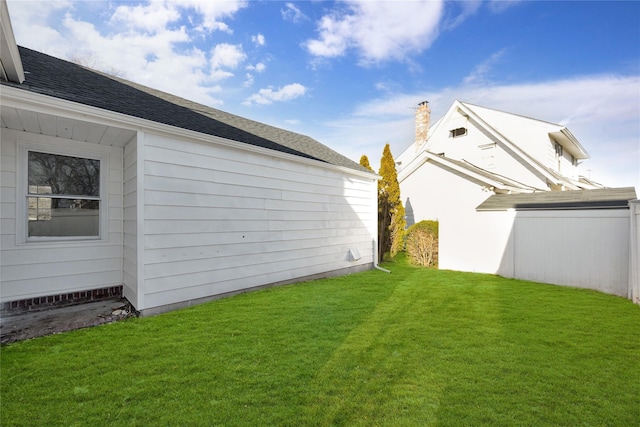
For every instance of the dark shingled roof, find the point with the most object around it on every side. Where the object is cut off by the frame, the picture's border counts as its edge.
(65, 80)
(603, 198)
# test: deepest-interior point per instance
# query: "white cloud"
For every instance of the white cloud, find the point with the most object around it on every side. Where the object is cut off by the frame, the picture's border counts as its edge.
(602, 111)
(269, 95)
(292, 13)
(31, 28)
(212, 12)
(480, 72)
(152, 17)
(227, 55)
(258, 39)
(469, 8)
(498, 6)
(249, 80)
(156, 15)
(378, 31)
(151, 32)
(258, 68)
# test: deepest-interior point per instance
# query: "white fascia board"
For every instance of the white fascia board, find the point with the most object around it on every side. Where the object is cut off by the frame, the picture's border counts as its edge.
(469, 173)
(413, 165)
(9, 55)
(22, 99)
(570, 143)
(425, 156)
(457, 105)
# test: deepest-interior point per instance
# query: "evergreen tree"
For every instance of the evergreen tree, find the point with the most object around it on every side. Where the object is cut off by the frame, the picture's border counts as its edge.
(391, 214)
(364, 161)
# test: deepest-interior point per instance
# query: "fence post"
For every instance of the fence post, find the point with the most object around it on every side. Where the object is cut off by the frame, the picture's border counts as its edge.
(634, 251)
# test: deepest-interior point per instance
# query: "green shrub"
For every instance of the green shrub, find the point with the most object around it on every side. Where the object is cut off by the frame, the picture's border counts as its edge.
(427, 225)
(422, 243)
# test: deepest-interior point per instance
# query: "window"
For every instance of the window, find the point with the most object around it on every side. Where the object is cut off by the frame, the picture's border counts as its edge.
(457, 132)
(63, 196)
(559, 150)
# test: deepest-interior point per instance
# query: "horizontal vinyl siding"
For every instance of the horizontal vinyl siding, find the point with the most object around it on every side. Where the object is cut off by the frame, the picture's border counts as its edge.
(220, 220)
(31, 269)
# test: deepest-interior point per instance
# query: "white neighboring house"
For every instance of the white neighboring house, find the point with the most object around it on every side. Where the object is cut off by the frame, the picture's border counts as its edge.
(492, 151)
(109, 187)
(473, 153)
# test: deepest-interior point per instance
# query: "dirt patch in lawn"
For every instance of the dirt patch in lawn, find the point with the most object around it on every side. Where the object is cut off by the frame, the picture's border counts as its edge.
(18, 327)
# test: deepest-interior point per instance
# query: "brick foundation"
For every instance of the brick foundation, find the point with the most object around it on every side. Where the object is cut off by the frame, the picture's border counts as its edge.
(60, 300)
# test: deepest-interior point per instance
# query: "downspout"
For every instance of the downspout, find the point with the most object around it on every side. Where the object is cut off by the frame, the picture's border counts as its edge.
(377, 267)
(374, 241)
(375, 262)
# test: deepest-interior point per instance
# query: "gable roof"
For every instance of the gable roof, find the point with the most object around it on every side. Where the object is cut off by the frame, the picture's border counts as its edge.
(493, 122)
(602, 198)
(526, 126)
(61, 79)
(509, 130)
(466, 170)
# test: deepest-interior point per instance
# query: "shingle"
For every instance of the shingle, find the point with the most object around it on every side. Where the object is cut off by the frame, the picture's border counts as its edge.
(65, 80)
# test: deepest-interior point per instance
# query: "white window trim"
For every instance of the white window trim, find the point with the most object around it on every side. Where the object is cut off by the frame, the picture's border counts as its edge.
(22, 212)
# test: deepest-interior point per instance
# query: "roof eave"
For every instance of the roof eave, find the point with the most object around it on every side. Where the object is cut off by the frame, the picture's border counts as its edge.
(10, 61)
(512, 146)
(488, 182)
(570, 143)
(19, 98)
(605, 198)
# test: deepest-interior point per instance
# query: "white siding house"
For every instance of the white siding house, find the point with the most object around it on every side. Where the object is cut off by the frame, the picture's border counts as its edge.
(497, 151)
(576, 233)
(186, 202)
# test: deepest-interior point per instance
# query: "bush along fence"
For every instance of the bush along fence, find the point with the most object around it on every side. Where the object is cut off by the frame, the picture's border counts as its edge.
(422, 243)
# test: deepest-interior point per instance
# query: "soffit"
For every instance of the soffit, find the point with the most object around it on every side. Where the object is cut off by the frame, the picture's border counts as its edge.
(63, 127)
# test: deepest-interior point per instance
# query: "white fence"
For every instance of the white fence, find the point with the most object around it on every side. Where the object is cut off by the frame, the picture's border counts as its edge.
(588, 248)
(582, 248)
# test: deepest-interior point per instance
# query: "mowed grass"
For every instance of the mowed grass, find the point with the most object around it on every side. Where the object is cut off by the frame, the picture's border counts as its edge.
(417, 347)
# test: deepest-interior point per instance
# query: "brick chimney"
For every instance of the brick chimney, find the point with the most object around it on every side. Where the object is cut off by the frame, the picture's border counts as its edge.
(423, 117)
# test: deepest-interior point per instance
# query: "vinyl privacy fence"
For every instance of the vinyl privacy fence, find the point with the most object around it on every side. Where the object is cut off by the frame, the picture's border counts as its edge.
(592, 248)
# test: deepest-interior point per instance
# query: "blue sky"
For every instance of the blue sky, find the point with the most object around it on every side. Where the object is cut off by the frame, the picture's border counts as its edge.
(349, 73)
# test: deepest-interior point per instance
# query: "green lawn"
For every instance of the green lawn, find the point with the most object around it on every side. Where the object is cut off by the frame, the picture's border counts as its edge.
(416, 347)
